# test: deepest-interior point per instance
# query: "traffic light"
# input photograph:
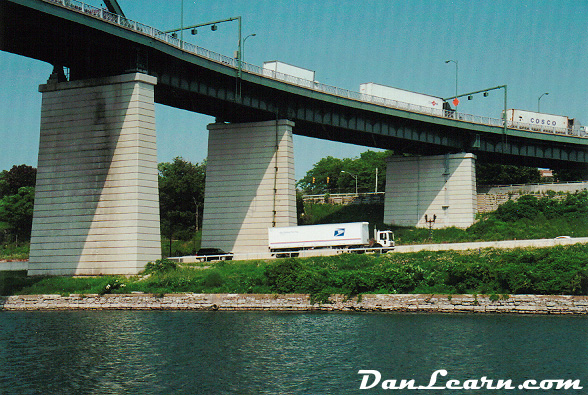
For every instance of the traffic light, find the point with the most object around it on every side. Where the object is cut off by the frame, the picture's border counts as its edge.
(313, 180)
(328, 178)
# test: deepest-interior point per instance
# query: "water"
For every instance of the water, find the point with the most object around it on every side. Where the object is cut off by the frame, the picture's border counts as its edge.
(190, 352)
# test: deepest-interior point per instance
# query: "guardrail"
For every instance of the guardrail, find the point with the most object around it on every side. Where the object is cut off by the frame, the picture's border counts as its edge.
(109, 17)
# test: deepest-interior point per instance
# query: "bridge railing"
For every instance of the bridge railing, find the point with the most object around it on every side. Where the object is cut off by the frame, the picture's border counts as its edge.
(107, 16)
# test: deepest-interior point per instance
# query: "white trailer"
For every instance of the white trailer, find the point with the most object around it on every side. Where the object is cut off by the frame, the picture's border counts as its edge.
(537, 121)
(410, 100)
(275, 67)
(352, 236)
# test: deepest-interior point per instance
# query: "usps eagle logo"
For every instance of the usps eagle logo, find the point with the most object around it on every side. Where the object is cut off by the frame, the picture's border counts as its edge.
(339, 232)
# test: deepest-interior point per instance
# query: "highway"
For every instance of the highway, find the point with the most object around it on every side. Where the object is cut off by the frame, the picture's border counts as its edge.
(505, 244)
(92, 42)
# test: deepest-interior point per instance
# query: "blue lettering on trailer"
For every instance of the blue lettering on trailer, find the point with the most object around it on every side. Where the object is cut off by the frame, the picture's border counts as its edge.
(339, 232)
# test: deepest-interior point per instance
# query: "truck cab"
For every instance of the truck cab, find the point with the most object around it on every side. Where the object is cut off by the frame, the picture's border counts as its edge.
(384, 238)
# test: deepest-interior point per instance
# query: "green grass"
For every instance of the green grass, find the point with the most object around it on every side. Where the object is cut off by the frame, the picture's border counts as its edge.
(181, 247)
(59, 284)
(557, 270)
(531, 218)
(14, 251)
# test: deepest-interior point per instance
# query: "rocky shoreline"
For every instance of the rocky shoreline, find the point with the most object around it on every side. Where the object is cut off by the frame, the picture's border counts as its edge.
(510, 304)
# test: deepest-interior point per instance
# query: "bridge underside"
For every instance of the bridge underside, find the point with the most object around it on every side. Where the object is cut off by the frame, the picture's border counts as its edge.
(91, 48)
(109, 145)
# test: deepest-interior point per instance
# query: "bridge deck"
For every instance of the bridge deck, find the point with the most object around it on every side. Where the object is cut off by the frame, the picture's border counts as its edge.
(92, 42)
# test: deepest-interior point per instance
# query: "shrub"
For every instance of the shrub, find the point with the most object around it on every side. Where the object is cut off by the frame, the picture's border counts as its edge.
(213, 279)
(160, 266)
(112, 286)
(283, 275)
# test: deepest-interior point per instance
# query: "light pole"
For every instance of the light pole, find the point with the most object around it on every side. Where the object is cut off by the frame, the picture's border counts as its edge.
(430, 221)
(243, 45)
(539, 101)
(213, 27)
(456, 72)
(354, 176)
(182, 22)
(504, 115)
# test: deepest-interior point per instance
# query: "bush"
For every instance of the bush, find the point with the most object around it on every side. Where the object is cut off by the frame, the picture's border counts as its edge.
(527, 206)
(160, 266)
(11, 281)
(112, 286)
(557, 270)
(213, 279)
(283, 275)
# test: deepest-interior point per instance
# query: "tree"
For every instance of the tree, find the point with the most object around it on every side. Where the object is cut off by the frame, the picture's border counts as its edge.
(181, 197)
(324, 173)
(17, 212)
(19, 176)
(333, 175)
(17, 195)
(564, 175)
(496, 174)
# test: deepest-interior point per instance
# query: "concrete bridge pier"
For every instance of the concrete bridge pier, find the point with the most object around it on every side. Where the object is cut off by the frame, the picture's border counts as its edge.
(250, 185)
(443, 186)
(96, 201)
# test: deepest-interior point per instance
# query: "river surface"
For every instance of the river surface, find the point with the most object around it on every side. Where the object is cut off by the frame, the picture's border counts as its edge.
(193, 352)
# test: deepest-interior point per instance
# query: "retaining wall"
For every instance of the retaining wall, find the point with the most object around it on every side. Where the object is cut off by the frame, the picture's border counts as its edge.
(519, 304)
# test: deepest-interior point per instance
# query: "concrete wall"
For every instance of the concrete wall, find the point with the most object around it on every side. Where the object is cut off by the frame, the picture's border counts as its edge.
(443, 185)
(96, 202)
(526, 189)
(490, 197)
(250, 185)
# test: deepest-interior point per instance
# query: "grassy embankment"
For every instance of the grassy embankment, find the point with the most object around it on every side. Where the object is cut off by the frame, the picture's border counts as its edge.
(557, 270)
(528, 218)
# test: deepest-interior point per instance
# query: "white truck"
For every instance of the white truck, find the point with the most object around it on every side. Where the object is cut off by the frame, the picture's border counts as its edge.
(406, 99)
(347, 237)
(277, 69)
(538, 121)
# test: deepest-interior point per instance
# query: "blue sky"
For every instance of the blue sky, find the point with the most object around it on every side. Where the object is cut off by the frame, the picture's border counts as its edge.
(533, 46)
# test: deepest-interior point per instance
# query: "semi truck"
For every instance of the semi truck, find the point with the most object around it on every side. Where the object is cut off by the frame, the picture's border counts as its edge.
(346, 237)
(274, 68)
(539, 121)
(407, 99)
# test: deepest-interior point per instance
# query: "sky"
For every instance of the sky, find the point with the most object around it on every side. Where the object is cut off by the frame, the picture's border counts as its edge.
(532, 46)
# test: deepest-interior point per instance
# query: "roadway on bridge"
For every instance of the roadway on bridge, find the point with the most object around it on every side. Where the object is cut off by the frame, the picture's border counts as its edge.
(65, 33)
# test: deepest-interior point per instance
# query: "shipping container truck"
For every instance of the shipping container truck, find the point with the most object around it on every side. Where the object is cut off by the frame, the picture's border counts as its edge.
(271, 68)
(538, 121)
(347, 237)
(411, 100)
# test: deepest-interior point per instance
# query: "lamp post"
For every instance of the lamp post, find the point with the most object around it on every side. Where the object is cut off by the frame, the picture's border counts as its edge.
(430, 222)
(213, 27)
(456, 72)
(504, 115)
(182, 22)
(354, 176)
(539, 101)
(243, 45)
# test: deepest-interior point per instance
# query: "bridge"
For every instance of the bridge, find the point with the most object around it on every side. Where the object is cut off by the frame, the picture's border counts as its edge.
(117, 68)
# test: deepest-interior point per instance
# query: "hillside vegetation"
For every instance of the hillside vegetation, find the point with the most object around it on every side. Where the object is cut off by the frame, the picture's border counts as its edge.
(557, 270)
(530, 217)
